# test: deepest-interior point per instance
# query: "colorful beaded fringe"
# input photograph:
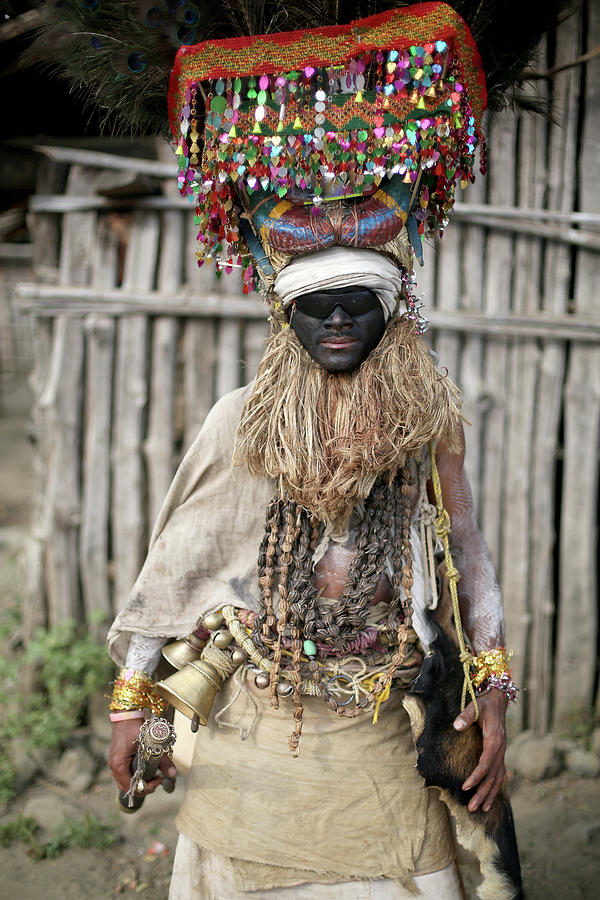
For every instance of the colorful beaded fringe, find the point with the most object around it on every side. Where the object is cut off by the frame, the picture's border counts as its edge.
(331, 111)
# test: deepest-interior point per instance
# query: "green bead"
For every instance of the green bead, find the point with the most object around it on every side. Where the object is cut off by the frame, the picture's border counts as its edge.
(310, 648)
(218, 104)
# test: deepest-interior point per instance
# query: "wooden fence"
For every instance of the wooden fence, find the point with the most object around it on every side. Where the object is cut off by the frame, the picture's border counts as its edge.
(133, 344)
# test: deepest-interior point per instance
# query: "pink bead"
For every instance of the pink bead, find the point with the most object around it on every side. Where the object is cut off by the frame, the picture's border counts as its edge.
(264, 82)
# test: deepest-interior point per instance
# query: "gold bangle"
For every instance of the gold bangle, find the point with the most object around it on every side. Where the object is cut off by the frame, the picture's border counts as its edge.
(491, 662)
(133, 689)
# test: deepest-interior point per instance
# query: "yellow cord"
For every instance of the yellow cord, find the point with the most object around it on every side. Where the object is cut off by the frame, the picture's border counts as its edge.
(383, 696)
(442, 528)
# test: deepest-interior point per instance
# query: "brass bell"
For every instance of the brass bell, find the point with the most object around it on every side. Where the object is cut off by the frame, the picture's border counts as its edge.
(180, 653)
(262, 681)
(239, 656)
(222, 639)
(192, 689)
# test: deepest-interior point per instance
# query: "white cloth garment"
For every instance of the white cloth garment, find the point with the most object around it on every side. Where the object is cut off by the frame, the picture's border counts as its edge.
(201, 875)
(341, 267)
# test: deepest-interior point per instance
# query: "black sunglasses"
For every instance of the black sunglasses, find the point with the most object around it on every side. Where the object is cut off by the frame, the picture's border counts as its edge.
(319, 307)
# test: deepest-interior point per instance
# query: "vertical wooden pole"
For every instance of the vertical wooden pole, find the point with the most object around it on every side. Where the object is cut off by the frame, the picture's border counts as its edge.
(129, 487)
(497, 290)
(229, 341)
(556, 263)
(45, 230)
(255, 336)
(199, 352)
(523, 361)
(578, 611)
(447, 296)
(471, 382)
(159, 447)
(95, 515)
(62, 406)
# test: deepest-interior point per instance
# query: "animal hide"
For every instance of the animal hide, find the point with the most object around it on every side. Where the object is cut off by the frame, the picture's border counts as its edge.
(445, 758)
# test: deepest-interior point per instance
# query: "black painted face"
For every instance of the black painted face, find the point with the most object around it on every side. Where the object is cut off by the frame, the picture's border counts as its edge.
(339, 339)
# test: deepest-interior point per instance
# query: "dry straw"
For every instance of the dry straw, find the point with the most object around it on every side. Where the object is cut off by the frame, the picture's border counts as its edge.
(327, 437)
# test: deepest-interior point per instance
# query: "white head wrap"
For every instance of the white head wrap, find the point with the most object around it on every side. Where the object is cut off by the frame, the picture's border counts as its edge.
(341, 267)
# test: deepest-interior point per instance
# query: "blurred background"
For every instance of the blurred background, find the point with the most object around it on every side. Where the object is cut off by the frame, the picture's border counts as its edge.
(113, 347)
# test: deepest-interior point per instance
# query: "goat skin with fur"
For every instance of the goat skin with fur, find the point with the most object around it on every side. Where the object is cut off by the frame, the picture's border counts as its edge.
(445, 758)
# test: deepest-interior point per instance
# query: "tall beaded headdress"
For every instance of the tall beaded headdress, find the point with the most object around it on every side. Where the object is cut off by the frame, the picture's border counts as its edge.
(386, 109)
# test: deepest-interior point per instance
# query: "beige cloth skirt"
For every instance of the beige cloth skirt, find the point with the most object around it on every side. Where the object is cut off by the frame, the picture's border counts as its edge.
(351, 806)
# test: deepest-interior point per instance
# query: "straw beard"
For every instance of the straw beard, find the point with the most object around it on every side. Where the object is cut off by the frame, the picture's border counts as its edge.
(326, 437)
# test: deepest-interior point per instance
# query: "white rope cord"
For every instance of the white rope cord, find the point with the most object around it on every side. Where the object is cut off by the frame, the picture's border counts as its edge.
(221, 661)
(240, 682)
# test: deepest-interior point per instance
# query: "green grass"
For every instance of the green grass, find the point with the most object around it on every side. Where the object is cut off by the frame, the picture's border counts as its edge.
(87, 833)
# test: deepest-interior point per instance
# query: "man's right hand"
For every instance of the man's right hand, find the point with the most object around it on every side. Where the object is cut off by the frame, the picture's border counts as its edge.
(123, 747)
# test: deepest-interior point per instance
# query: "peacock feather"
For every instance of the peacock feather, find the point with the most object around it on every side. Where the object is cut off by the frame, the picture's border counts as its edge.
(118, 54)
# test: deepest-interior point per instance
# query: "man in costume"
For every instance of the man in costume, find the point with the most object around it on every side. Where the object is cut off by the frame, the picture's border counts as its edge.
(295, 554)
(336, 440)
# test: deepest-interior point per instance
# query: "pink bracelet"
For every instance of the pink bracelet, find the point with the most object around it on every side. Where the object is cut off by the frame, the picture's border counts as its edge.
(127, 714)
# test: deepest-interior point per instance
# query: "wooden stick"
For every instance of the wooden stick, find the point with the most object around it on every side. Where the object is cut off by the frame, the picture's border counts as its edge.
(100, 160)
(586, 57)
(467, 210)
(497, 299)
(95, 514)
(16, 252)
(463, 211)
(21, 24)
(199, 344)
(471, 383)
(59, 203)
(541, 325)
(159, 446)
(62, 404)
(131, 386)
(551, 232)
(523, 360)
(578, 610)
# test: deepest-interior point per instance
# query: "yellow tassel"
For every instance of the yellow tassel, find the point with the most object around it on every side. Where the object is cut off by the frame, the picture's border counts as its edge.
(384, 695)
(359, 97)
(297, 124)
(280, 125)
(421, 103)
(257, 129)
(232, 131)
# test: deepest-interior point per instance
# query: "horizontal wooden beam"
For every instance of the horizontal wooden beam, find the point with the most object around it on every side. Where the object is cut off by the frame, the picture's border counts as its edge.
(21, 24)
(51, 300)
(63, 203)
(46, 299)
(465, 215)
(466, 210)
(16, 252)
(99, 160)
(558, 233)
(462, 211)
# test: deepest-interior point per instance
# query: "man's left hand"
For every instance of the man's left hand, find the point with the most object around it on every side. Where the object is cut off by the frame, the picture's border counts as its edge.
(489, 772)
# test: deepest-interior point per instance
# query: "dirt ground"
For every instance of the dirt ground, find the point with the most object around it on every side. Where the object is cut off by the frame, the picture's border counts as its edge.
(558, 821)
